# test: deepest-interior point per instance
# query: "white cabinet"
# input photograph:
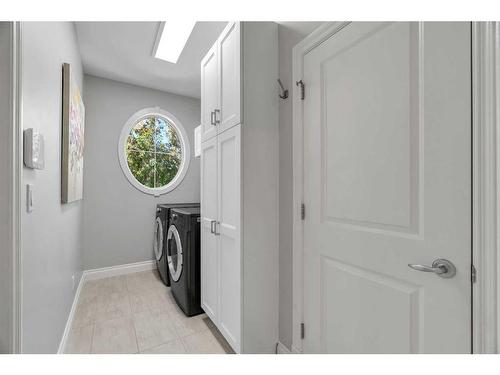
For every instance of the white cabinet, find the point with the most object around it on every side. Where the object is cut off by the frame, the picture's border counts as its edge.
(230, 76)
(228, 233)
(220, 237)
(239, 189)
(221, 83)
(209, 255)
(210, 93)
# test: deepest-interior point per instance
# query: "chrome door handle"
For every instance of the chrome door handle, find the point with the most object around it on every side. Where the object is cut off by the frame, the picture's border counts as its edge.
(217, 233)
(441, 267)
(212, 118)
(212, 225)
(215, 112)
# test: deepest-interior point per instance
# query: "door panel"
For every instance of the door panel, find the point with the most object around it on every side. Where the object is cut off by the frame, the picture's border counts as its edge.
(230, 68)
(209, 93)
(229, 235)
(387, 165)
(209, 241)
(381, 91)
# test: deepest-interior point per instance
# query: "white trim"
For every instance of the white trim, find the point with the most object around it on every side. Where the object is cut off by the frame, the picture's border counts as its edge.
(69, 321)
(123, 269)
(186, 150)
(299, 51)
(486, 184)
(16, 170)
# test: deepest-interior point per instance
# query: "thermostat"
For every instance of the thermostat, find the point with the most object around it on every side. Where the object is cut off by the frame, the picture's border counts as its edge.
(34, 149)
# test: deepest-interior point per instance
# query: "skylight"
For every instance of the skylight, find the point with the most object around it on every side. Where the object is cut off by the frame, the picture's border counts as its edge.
(174, 36)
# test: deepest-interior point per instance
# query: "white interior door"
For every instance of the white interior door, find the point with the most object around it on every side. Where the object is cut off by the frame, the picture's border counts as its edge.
(230, 68)
(209, 93)
(209, 240)
(387, 183)
(228, 230)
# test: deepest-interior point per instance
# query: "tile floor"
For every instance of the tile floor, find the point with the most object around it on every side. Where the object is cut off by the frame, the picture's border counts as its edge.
(136, 313)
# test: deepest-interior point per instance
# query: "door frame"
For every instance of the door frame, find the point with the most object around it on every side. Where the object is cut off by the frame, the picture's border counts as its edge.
(486, 184)
(14, 242)
(485, 256)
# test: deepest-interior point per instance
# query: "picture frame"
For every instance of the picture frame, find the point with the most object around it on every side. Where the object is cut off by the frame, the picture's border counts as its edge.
(73, 126)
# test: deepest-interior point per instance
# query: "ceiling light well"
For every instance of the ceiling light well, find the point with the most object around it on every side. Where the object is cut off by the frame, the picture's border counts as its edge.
(171, 39)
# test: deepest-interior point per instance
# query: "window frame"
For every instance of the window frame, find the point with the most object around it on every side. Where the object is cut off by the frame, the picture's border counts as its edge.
(185, 147)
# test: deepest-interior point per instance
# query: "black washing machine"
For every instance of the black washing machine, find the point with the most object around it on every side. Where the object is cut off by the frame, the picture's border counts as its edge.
(160, 235)
(183, 257)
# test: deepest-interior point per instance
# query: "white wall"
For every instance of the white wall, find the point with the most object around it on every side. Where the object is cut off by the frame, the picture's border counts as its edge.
(5, 157)
(289, 34)
(118, 218)
(52, 235)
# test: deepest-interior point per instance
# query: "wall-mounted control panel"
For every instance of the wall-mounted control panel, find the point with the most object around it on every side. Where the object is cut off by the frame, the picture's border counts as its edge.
(34, 149)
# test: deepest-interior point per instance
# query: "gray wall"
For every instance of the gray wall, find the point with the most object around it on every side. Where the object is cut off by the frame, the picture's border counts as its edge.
(52, 235)
(5, 157)
(287, 39)
(118, 218)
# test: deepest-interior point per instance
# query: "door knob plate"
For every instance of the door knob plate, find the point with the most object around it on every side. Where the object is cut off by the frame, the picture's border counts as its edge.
(441, 267)
(447, 266)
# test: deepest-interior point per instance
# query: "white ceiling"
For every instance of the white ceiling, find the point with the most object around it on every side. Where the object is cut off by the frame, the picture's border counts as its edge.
(301, 28)
(123, 51)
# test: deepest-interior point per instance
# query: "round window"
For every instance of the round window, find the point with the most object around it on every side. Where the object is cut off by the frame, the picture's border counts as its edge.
(154, 151)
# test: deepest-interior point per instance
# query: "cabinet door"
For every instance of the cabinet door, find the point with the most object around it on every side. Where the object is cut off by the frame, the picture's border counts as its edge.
(209, 240)
(209, 93)
(230, 73)
(228, 229)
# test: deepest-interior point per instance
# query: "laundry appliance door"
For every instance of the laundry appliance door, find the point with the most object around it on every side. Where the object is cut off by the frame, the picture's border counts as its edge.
(158, 239)
(174, 253)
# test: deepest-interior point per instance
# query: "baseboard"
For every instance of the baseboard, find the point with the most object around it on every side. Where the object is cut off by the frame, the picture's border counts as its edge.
(100, 273)
(62, 344)
(282, 349)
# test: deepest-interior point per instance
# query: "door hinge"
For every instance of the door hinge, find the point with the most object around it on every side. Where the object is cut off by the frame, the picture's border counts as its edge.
(473, 274)
(302, 211)
(302, 89)
(302, 331)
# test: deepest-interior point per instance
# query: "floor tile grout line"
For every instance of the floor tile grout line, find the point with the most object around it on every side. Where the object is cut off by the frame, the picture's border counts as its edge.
(185, 346)
(92, 339)
(133, 324)
(163, 343)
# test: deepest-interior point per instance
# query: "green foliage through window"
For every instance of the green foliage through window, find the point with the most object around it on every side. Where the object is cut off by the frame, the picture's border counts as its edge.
(154, 152)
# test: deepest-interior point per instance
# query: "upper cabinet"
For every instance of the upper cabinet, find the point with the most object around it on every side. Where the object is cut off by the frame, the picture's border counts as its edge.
(221, 83)
(209, 93)
(230, 76)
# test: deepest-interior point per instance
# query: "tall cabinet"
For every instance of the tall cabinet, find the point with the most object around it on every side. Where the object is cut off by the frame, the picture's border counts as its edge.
(239, 185)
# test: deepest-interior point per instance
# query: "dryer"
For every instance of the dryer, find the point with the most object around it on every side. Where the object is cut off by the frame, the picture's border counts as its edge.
(160, 234)
(183, 258)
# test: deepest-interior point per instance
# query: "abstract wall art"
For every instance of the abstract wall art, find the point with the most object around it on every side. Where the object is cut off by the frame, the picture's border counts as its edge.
(73, 125)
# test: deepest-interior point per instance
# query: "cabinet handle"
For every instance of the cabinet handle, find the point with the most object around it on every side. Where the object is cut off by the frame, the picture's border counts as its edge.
(212, 118)
(212, 226)
(217, 121)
